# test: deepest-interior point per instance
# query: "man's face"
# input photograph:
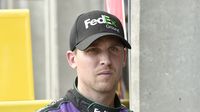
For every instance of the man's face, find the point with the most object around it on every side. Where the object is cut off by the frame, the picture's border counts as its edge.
(99, 67)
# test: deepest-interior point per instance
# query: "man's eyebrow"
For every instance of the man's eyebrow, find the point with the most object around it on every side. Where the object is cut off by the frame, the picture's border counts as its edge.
(89, 48)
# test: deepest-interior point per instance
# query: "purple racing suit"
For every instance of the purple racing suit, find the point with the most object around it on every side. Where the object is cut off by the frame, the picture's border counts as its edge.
(75, 102)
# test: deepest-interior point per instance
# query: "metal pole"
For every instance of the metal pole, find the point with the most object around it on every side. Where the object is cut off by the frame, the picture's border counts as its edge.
(134, 31)
(51, 50)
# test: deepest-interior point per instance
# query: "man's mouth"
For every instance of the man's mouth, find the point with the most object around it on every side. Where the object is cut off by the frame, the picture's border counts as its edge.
(105, 73)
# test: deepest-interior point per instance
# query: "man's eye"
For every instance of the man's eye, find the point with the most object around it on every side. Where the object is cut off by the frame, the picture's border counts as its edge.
(114, 48)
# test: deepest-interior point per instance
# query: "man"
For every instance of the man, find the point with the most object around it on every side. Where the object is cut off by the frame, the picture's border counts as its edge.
(98, 54)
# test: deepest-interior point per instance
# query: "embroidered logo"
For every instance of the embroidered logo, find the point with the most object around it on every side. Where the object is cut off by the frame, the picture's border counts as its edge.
(97, 110)
(101, 20)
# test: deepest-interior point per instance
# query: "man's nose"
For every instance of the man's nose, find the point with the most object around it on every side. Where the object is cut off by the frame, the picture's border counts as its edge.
(105, 58)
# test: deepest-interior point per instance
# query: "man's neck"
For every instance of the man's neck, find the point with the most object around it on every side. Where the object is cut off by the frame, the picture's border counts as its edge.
(105, 98)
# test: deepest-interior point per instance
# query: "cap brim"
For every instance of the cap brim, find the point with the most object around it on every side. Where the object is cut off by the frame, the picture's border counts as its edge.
(86, 42)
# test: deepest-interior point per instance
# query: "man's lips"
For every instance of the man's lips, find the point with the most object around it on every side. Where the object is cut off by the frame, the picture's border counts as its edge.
(105, 73)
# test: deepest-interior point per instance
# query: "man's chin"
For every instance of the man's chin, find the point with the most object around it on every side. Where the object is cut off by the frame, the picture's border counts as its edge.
(106, 88)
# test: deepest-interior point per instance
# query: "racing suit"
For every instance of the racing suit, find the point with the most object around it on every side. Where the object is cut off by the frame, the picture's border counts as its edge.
(73, 101)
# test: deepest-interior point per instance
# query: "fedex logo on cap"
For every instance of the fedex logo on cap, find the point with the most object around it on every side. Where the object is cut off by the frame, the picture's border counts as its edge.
(101, 20)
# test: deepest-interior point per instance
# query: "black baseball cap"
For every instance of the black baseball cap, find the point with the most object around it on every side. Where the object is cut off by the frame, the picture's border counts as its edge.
(93, 25)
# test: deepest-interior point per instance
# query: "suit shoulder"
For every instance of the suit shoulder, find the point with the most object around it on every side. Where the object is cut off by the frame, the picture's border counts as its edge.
(53, 105)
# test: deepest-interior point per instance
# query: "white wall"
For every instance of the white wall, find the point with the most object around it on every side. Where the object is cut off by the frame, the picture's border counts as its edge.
(169, 59)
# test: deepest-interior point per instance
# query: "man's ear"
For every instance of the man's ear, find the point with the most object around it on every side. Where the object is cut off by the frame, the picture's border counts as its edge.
(70, 56)
(125, 57)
